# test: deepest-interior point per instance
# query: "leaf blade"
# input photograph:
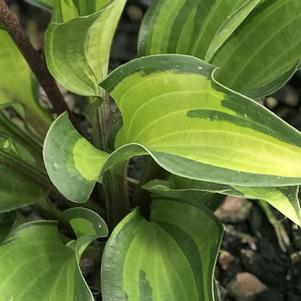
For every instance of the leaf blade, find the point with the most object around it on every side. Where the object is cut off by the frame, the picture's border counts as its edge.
(48, 266)
(19, 87)
(284, 199)
(175, 111)
(63, 144)
(188, 114)
(168, 231)
(255, 43)
(81, 71)
(183, 26)
(276, 20)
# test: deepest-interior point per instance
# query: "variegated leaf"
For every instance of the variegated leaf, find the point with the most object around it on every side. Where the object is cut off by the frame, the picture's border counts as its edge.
(169, 257)
(193, 127)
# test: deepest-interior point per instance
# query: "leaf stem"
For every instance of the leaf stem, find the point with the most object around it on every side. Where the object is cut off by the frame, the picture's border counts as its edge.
(21, 136)
(142, 197)
(105, 117)
(48, 211)
(116, 194)
(282, 236)
(115, 189)
(33, 58)
(33, 172)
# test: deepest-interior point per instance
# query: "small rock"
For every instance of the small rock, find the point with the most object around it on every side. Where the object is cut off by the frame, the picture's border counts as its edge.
(87, 266)
(225, 259)
(296, 257)
(233, 210)
(271, 102)
(291, 97)
(134, 13)
(288, 96)
(245, 286)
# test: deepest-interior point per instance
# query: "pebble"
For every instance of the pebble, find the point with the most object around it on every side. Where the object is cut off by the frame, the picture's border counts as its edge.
(245, 286)
(233, 210)
(225, 259)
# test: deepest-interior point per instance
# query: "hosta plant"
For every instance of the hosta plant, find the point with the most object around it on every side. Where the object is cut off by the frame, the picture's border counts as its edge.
(188, 106)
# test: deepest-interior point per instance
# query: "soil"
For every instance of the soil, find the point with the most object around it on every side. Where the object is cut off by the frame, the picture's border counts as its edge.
(250, 244)
(255, 249)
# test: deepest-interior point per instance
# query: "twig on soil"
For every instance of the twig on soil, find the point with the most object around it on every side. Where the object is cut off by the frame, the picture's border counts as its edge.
(33, 58)
(282, 236)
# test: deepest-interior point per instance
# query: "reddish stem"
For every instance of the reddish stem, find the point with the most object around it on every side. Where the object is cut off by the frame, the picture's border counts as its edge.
(33, 58)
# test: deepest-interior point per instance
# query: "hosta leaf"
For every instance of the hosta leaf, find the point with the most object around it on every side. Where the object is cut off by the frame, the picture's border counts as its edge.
(171, 105)
(72, 163)
(18, 86)
(87, 225)
(86, 222)
(17, 190)
(48, 4)
(183, 26)
(192, 126)
(88, 27)
(8, 222)
(170, 257)
(36, 265)
(265, 48)
(284, 199)
(17, 152)
(255, 43)
(210, 198)
(229, 26)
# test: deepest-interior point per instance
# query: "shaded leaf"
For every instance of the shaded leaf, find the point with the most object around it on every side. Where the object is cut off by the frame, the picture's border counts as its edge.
(19, 87)
(183, 26)
(228, 28)
(87, 225)
(255, 43)
(47, 4)
(264, 51)
(17, 190)
(88, 27)
(170, 257)
(19, 169)
(36, 265)
(8, 222)
(284, 199)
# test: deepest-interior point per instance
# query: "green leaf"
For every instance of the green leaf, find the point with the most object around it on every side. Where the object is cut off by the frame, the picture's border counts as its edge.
(192, 127)
(47, 4)
(284, 199)
(88, 27)
(255, 43)
(206, 194)
(265, 49)
(17, 155)
(72, 163)
(183, 26)
(229, 26)
(8, 222)
(17, 190)
(170, 257)
(36, 265)
(19, 87)
(86, 222)
(87, 225)
(172, 107)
